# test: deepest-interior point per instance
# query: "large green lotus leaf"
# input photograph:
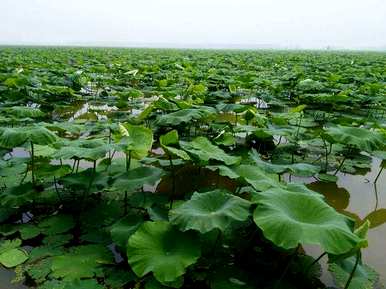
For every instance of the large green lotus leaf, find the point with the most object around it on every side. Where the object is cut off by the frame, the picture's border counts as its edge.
(184, 116)
(18, 195)
(288, 219)
(160, 248)
(171, 138)
(81, 262)
(298, 169)
(136, 139)
(40, 135)
(89, 149)
(10, 253)
(56, 224)
(9, 244)
(203, 149)
(117, 278)
(360, 138)
(75, 284)
(364, 276)
(12, 137)
(309, 85)
(23, 111)
(136, 178)
(13, 257)
(211, 210)
(124, 228)
(224, 171)
(256, 177)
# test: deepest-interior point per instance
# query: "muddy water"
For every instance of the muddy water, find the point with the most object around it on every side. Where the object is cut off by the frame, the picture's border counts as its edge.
(358, 197)
(353, 195)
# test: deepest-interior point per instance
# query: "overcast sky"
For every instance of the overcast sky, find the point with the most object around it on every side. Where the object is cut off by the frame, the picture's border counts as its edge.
(206, 23)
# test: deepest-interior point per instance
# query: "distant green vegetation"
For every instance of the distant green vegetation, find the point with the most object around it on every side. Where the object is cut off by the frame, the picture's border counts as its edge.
(145, 168)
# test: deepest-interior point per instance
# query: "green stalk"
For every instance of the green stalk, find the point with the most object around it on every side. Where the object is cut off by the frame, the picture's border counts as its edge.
(173, 182)
(32, 164)
(353, 270)
(128, 161)
(277, 285)
(316, 261)
(299, 122)
(340, 165)
(378, 175)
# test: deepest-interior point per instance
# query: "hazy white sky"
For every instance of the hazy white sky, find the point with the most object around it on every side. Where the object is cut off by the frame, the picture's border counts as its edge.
(281, 23)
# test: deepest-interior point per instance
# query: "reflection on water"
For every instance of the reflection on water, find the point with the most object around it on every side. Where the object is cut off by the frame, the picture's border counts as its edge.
(358, 197)
(6, 277)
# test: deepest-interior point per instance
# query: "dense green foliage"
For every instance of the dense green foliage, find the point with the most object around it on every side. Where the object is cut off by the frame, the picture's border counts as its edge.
(130, 168)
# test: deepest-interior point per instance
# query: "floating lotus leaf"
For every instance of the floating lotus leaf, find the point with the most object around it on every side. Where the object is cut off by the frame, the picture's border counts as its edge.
(56, 224)
(363, 139)
(211, 210)
(288, 219)
(10, 253)
(81, 262)
(204, 150)
(160, 248)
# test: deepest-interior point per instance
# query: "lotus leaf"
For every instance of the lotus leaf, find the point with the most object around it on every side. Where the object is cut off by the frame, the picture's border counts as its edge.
(204, 150)
(160, 248)
(211, 210)
(288, 219)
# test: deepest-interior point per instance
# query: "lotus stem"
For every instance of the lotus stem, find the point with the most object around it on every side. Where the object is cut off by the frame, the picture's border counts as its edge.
(316, 261)
(277, 285)
(353, 270)
(77, 166)
(125, 204)
(378, 175)
(128, 161)
(32, 163)
(173, 182)
(299, 122)
(340, 165)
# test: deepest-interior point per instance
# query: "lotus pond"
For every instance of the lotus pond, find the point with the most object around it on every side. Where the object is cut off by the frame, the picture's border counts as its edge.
(155, 169)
